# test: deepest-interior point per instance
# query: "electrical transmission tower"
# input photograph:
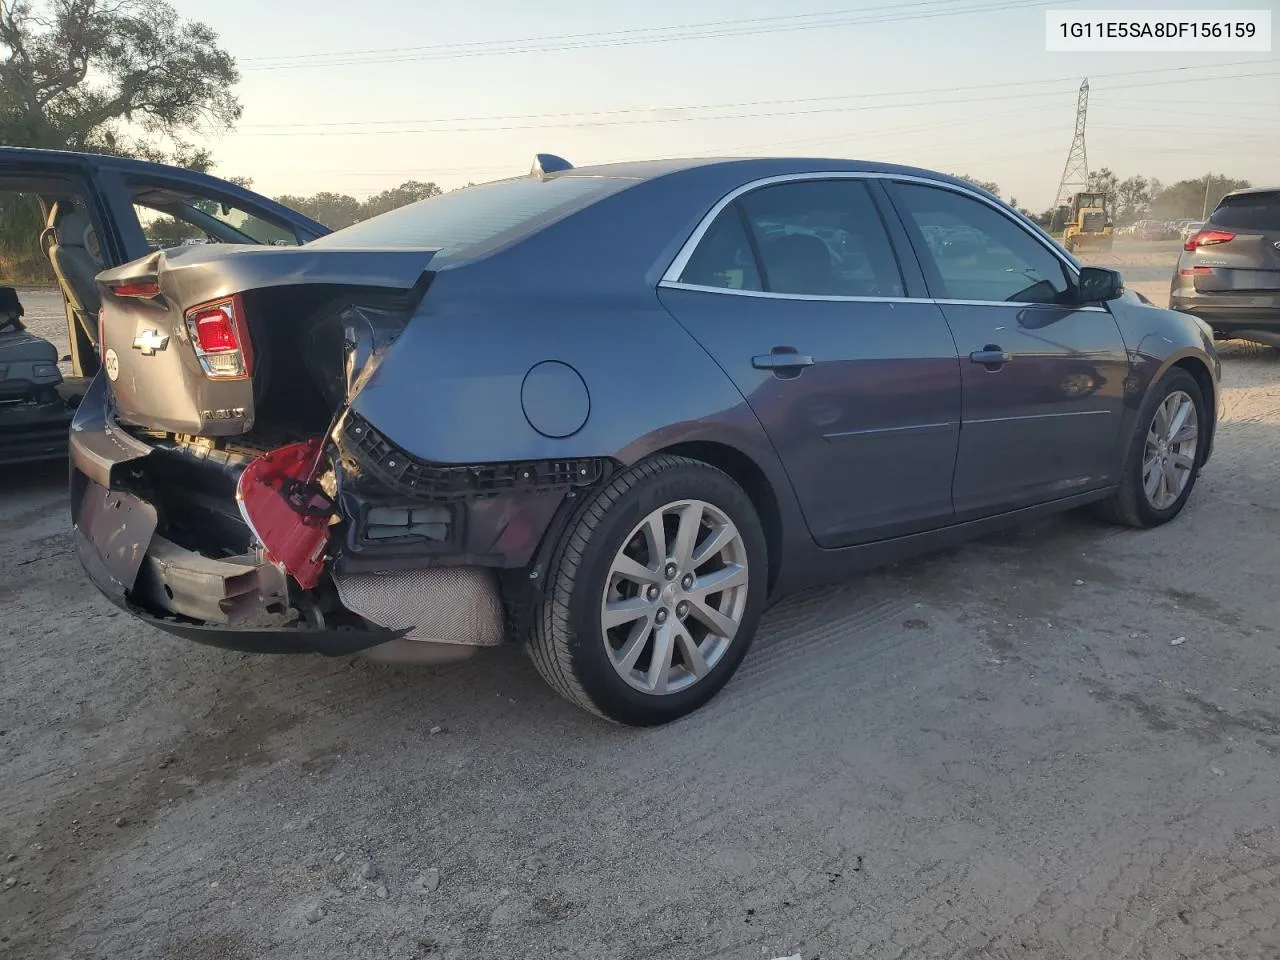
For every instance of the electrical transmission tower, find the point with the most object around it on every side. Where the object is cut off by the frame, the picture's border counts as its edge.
(1075, 173)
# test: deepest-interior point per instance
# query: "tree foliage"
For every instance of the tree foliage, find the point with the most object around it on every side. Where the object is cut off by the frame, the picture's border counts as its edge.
(84, 74)
(987, 185)
(411, 191)
(338, 210)
(1187, 198)
(125, 77)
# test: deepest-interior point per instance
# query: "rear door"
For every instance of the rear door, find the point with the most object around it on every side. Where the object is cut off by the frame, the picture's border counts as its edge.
(796, 292)
(1043, 374)
(1237, 252)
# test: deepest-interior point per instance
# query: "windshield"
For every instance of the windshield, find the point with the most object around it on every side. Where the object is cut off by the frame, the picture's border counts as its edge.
(469, 221)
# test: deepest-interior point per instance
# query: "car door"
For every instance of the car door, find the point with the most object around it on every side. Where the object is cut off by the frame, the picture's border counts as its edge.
(795, 290)
(1043, 373)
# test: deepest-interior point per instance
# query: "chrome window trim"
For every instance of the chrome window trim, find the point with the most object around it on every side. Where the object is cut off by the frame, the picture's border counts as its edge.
(671, 276)
(769, 295)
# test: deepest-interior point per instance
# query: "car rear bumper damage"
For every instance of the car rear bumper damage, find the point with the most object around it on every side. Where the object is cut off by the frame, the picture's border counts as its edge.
(333, 545)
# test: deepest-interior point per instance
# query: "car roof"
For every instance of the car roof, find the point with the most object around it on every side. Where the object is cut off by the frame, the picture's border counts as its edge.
(103, 160)
(753, 168)
(1249, 191)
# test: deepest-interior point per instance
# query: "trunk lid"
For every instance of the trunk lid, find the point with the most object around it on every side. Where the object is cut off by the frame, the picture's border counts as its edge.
(187, 334)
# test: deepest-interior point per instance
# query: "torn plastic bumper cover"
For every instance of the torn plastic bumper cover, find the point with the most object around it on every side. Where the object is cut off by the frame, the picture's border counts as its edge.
(187, 594)
(333, 556)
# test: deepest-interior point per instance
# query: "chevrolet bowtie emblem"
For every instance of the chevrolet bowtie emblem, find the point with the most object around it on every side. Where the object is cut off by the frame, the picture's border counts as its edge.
(149, 341)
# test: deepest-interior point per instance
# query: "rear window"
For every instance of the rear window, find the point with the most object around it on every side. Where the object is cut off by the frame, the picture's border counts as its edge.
(467, 222)
(1252, 211)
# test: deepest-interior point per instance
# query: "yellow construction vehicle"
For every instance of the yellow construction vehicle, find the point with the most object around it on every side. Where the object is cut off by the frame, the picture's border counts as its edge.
(1089, 227)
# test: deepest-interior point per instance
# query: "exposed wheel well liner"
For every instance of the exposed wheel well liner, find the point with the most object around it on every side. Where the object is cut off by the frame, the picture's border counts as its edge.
(752, 479)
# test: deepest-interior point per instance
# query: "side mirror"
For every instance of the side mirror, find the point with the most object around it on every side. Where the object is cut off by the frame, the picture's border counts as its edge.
(1098, 284)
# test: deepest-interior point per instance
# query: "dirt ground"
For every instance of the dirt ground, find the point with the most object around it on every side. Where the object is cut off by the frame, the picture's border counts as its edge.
(1057, 744)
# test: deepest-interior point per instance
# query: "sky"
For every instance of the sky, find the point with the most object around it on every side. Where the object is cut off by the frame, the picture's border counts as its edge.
(357, 97)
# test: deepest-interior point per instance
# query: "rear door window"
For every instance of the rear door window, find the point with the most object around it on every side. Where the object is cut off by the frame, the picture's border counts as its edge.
(1250, 211)
(723, 257)
(822, 238)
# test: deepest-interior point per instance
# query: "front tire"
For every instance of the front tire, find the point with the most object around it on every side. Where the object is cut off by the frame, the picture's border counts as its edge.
(1164, 455)
(654, 594)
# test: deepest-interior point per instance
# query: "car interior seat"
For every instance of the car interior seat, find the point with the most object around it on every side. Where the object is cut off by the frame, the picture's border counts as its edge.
(72, 247)
(798, 263)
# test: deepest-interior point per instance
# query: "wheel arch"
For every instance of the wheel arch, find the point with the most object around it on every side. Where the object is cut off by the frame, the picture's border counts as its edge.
(754, 481)
(1195, 365)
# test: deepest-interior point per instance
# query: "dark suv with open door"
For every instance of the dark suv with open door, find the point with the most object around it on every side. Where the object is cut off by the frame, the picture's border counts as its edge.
(1229, 272)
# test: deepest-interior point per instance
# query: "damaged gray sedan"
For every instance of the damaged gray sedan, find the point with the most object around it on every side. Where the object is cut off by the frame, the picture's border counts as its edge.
(608, 412)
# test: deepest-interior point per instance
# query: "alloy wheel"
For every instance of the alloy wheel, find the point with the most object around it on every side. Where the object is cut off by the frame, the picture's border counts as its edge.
(1169, 457)
(675, 597)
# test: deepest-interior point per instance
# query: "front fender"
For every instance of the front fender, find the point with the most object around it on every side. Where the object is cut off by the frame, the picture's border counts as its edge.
(1158, 340)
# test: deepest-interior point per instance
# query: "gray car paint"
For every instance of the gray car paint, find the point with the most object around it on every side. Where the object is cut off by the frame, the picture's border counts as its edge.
(584, 291)
(1241, 293)
(165, 388)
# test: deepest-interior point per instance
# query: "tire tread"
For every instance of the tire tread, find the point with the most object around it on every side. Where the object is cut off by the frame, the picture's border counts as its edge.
(551, 635)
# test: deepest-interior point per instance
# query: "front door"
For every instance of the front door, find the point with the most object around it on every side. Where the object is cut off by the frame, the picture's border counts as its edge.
(796, 293)
(1043, 374)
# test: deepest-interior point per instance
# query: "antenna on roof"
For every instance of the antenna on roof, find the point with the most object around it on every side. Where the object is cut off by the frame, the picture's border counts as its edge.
(544, 163)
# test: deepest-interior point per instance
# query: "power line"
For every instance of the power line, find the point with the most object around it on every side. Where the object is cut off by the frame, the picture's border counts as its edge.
(600, 34)
(776, 102)
(737, 116)
(744, 29)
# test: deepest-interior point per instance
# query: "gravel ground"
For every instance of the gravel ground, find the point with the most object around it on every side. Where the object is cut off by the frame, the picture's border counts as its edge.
(1062, 742)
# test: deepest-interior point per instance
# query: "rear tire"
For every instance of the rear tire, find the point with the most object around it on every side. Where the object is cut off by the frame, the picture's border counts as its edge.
(1152, 461)
(651, 667)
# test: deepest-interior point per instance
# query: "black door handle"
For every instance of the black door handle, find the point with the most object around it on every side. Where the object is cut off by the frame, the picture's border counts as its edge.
(782, 358)
(990, 356)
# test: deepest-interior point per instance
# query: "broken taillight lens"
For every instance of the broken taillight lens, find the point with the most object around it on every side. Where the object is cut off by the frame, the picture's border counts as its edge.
(220, 337)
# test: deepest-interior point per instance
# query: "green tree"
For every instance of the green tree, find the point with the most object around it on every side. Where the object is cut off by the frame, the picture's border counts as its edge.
(78, 74)
(986, 185)
(1108, 184)
(1189, 198)
(1133, 199)
(411, 191)
(89, 75)
(334, 210)
(338, 210)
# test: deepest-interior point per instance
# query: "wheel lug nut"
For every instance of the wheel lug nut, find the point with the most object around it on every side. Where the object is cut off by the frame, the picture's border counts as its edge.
(682, 609)
(652, 592)
(661, 615)
(687, 582)
(670, 571)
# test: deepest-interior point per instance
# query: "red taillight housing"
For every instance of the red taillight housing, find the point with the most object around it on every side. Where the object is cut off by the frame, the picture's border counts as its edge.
(142, 289)
(220, 336)
(1207, 238)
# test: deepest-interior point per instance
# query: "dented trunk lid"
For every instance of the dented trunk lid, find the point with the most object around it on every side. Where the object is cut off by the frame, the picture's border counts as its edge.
(172, 322)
